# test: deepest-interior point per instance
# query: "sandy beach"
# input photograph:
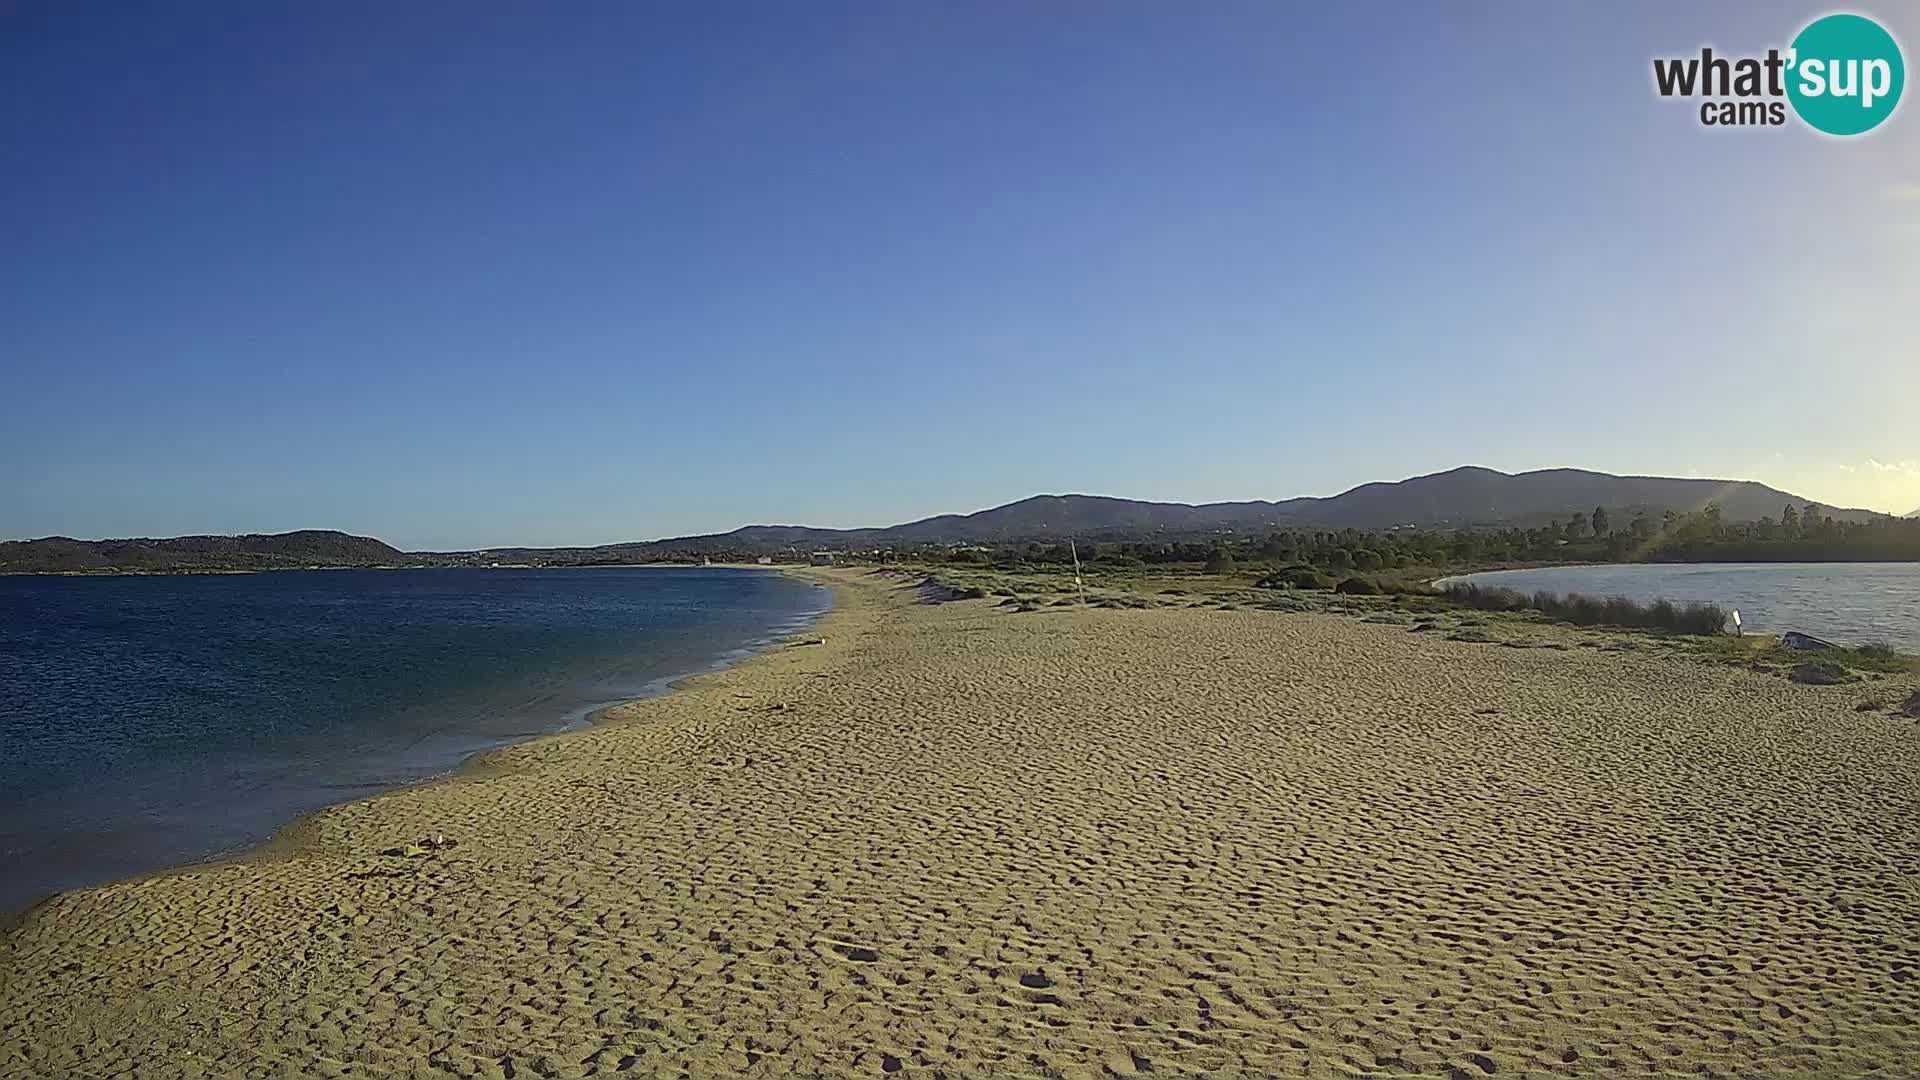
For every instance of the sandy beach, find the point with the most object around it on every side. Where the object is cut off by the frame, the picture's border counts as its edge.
(957, 841)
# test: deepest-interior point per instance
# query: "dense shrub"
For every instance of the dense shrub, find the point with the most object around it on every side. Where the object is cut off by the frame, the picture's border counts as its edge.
(1358, 586)
(1821, 673)
(1220, 562)
(1589, 611)
(1618, 611)
(1296, 577)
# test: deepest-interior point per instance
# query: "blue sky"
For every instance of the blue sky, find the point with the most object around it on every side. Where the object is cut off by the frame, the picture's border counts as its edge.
(469, 274)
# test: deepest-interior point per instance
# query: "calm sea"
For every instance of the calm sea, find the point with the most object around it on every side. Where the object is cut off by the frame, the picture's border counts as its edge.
(148, 721)
(1848, 603)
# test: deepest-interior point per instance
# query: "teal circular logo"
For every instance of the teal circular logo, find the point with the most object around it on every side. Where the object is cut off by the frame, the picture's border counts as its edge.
(1845, 74)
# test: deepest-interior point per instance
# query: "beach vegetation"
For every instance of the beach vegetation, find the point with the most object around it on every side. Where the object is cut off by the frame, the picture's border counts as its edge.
(1875, 657)
(1764, 652)
(1695, 631)
(1298, 576)
(1581, 610)
(1820, 673)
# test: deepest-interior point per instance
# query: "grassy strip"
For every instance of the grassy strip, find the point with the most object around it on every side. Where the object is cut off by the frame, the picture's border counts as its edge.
(1765, 649)
(1695, 630)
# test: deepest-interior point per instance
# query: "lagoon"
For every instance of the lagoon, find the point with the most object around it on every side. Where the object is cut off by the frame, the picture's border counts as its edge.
(1848, 603)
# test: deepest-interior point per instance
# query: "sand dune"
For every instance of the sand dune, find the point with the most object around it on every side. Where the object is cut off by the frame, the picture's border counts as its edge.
(957, 841)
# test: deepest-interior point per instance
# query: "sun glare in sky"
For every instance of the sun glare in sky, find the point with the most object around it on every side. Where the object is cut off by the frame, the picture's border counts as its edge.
(1891, 487)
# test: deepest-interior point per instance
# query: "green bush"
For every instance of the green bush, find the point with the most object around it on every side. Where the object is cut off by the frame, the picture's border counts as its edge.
(1296, 577)
(1358, 586)
(1821, 673)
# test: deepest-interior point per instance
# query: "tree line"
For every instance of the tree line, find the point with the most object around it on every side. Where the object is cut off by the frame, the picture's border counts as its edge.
(1798, 534)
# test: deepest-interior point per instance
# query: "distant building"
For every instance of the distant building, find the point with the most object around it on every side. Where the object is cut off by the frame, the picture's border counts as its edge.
(822, 558)
(765, 560)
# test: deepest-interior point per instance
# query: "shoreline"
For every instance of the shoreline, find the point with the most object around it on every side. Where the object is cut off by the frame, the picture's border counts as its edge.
(214, 571)
(278, 844)
(956, 838)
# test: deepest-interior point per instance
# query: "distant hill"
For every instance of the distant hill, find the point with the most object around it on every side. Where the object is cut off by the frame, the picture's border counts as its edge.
(1471, 495)
(1468, 497)
(308, 547)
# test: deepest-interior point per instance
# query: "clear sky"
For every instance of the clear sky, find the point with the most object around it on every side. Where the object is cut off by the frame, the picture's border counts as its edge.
(464, 274)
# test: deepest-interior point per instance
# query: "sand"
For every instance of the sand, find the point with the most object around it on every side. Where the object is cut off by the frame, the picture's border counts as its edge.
(959, 841)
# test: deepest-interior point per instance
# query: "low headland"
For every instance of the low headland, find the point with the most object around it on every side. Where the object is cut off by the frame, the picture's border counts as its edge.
(990, 824)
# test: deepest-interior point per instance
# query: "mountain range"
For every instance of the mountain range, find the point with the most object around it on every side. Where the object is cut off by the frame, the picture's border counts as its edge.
(1468, 497)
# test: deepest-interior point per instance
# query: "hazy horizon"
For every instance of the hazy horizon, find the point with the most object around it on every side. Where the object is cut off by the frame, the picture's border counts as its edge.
(887, 524)
(462, 276)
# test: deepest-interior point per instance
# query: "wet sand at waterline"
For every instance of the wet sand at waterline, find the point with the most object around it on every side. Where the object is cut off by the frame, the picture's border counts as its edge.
(959, 841)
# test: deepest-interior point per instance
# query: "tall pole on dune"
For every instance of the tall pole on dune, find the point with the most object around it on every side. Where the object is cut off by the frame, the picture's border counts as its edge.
(1077, 583)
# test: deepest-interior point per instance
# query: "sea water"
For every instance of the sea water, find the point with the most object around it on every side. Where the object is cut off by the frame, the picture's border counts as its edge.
(149, 721)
